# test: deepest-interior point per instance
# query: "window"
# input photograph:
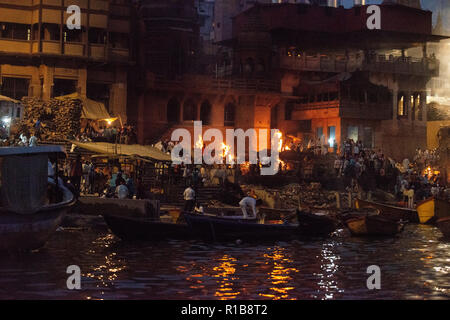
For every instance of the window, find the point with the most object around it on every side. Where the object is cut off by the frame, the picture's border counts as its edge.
(331, 135)
(73, 35)
(319, 132)
(15, 88)
(173, 111)
(401, 106)
(229, 116)
(64, 87)
(97, 36)
(352, 133)
(189, 111)
(15, 31)
(205, 112)
(288, 109)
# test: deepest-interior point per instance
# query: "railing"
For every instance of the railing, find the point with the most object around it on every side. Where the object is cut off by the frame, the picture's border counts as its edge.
(351, 109)
(398, 65)
(207, 82)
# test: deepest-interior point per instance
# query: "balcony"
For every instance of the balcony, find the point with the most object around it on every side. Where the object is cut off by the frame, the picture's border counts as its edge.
(370, 111)
(98, 51)
(74, 49)
(15, 46)
(214, 84)
(395, 65)
(48, 47)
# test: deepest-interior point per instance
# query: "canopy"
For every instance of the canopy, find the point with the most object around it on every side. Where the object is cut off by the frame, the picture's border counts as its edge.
(4, 98)
(92, 110)
(124, 149)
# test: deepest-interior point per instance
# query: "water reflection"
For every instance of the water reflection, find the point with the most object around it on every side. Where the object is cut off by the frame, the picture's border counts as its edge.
(329, 265)
(415, 265)
(225, 272)
(281, 274)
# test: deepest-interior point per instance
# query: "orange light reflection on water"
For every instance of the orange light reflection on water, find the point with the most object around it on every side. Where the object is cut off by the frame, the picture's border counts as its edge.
(280, 276)
(225, 272)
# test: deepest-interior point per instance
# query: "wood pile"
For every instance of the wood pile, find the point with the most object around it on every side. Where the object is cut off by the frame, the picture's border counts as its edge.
(60, 119)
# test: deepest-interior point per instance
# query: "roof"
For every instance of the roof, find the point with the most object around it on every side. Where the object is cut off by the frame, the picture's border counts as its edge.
(93, 110)
(8, 99)
(14, 151)
(105, 148)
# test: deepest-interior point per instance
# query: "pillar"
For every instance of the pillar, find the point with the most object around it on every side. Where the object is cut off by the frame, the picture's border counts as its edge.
(118, 96)
(47, 88)
(82, 82)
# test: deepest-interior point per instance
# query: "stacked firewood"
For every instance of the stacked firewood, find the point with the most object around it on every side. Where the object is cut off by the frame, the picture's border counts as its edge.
(60, 119)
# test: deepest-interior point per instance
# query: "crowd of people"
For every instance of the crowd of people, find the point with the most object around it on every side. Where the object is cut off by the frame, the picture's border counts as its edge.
(125, 134)
(367, 170)
(89, 179)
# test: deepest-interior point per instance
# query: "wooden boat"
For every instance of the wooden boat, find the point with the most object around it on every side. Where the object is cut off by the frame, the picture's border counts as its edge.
(390, 212)
(433, 209)
(223, 228)
(373, 225)
(28, 217)
(444, 225)
(129, 228)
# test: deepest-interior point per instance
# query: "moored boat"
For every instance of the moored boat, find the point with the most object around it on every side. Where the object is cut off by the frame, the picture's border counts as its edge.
(390, 212)
(224, 228)
(132, 228)
(373, 225)
(444, 225)
(433, 209)
(29, 215)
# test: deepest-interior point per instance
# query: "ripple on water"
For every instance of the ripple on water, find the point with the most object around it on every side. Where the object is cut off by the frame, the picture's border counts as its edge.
(414, 265)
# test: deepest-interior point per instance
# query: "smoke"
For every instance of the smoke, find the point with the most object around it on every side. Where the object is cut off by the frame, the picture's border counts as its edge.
(439, 88)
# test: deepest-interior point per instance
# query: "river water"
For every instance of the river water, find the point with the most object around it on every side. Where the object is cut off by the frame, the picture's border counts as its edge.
(414, 265)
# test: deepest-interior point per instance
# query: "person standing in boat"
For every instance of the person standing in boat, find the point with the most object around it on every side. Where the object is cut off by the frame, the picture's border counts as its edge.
(249, 203)
(189, 199)
(76, 173)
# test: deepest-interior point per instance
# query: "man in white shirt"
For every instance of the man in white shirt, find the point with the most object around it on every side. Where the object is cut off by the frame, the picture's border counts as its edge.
(249, 203)
(189, 198)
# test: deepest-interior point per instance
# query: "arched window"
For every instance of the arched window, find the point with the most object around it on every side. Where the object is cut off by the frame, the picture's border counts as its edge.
(189, 111)
(173, 111)
(230, 114)
(205, 112)
(249, 66)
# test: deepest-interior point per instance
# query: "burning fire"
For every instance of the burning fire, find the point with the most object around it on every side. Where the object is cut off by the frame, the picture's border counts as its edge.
(429, 172)
(226, 152)
(199, 143)
(280, 142)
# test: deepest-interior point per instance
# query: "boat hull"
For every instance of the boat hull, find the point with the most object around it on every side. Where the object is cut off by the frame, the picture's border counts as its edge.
(373, 226)
(390, 212)
(444, 225)
(223, 229)
(432, 209)
(24, 233)
(139, 229)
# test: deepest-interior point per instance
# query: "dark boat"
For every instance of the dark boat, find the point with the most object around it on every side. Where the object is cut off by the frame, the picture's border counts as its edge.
(223, 228)
(28, 216)
(390, 212)
(130, 228)
(373, 225)
(444, 225)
